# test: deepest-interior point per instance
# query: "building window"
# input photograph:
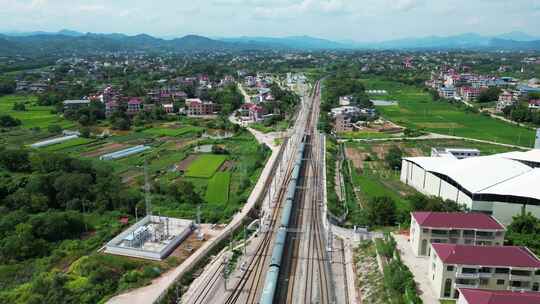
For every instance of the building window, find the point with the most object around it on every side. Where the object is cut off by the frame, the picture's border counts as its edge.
(447, 288)
(501, 270)
(450, 268)
(484, 282)
(485, 270)
(500, 282)
(535, 286)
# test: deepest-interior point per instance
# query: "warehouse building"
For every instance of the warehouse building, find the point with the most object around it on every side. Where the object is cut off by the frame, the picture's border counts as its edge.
(502, 185)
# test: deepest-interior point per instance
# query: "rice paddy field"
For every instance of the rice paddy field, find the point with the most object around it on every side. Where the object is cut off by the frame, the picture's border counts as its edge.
(35, 116)
(205, 165)
(173, 131)
(218, 188)
(417, 110)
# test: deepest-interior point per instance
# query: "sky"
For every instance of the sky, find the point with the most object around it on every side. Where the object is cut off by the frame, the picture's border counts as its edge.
(358, 20)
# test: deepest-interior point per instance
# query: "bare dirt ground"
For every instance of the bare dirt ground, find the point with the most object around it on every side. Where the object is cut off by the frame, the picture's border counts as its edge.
(414, 152)
(129, 177)
(227, 165)
(356, 156)
(105, 149)
(184, 164)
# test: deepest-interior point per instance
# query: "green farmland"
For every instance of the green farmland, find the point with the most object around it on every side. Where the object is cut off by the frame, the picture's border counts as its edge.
(417, 110)
(218, 188)
(68, 144)
(173, 132)
(205, 165)
(34, 116)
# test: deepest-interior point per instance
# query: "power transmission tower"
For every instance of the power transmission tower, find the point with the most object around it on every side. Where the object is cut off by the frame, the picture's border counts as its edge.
(147, 198)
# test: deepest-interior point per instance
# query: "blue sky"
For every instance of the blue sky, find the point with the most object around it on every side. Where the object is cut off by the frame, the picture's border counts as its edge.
(360, 20)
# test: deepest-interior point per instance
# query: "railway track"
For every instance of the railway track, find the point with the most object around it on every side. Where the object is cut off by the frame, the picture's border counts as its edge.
(247, 289)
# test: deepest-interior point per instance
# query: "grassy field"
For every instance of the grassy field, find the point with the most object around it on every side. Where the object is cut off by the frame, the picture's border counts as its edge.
(205, 165)
(218, 188)
(34, 116)
(364, 135)
(68, 144)
(172, 131)
(417, 110)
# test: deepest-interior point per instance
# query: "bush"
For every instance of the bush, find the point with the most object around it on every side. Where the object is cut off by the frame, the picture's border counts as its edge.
(8, 121)
(56, 129)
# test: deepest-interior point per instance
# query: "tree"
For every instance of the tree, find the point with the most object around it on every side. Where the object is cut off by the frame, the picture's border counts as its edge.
(56, 129)
(8, 121)
(393, 157)
(525, 231)
(16, 160)
(19, 106)
(489, 95)
(381, 211)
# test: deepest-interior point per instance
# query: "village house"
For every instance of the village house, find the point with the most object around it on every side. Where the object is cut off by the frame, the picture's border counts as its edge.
(469, 93)
(534, 104)
(134, 105)
(454, 228)
(197, 107)
(454, 266)
(447, 92)
(251, 112)
(75, 104)
(506, 99)
(345, 100)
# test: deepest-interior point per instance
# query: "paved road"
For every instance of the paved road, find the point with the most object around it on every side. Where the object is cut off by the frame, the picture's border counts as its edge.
(431, 136)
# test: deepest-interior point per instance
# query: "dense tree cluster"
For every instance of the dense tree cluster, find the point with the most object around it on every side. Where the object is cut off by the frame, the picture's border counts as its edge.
(520, 112)
(525, 231)
(489, 95)
(87, 116)
(44, 205)
(393, 158)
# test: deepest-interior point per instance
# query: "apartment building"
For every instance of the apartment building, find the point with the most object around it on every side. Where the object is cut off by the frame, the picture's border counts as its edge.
(455, 266)
(453, 228)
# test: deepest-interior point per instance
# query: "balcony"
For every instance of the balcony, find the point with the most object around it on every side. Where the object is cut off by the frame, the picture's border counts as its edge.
(462, 275)
(515, 277)
(485, 274)
(466, 285)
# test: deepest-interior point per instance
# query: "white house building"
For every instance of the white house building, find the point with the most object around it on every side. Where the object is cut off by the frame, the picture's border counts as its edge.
(454, 228)
(454, 266)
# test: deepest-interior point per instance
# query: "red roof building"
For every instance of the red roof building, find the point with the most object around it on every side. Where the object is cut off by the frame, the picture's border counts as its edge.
(453, 267)
(134, 105)
(461, 220)
(501, 256)
(479, 296)
(454, 228)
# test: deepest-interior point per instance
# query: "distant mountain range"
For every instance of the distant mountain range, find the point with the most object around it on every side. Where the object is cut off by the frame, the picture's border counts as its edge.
(67, 41)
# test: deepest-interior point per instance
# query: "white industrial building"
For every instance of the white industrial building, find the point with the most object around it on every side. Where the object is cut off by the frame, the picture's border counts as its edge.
(502, 185)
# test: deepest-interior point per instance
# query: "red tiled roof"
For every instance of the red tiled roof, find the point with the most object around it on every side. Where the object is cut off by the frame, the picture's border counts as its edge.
(508, 256)
(134, 100)
(535, 102)
(479, 296)
(460, 220)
